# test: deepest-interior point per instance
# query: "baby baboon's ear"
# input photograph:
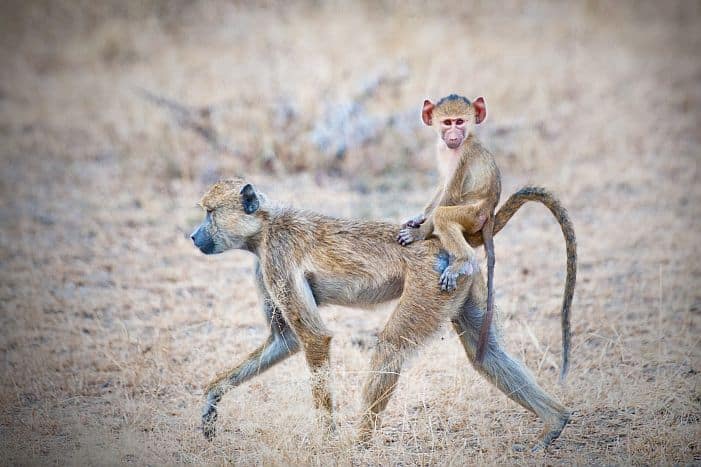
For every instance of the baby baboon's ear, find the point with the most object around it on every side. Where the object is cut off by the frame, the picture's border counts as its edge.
(249, 199)
(427, 112)
(480, 110)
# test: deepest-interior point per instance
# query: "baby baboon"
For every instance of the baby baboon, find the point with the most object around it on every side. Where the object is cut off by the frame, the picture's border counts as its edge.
(306, 260)
(466, 198)
(465, 202)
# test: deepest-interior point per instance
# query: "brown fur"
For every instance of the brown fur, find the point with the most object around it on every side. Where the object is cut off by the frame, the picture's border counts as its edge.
(306, 260)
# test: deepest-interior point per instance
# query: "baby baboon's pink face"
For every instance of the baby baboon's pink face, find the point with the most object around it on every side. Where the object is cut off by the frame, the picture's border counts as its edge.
(231, 219)
(454, 118)
(453, 130)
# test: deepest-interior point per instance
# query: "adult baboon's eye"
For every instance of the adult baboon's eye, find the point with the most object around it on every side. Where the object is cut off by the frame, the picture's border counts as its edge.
(209, 210)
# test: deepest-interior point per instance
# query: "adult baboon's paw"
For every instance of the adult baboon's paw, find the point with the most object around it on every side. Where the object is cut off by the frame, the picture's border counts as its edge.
(327, 422)
(329, 430)
(551, 432)
(369, 423)
(517, 447)
(209, 417)
(539, 446)
(411, 223)
(364, 438)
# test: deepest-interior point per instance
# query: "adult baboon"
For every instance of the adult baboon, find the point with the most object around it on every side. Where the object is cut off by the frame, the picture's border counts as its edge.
(306, 260)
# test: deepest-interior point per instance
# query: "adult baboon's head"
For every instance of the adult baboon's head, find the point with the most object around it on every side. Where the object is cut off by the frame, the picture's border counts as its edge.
(232, 217)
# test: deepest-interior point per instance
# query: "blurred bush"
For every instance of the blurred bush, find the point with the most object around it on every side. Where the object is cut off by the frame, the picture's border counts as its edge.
(195, 89)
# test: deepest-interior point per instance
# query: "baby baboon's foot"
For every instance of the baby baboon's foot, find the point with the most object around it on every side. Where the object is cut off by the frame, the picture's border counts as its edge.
(449, 280)
(407, 235)
(551, 432)
(209, 417)
(449, 277)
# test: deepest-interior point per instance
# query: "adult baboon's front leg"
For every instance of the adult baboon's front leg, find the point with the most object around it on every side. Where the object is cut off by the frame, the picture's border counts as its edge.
(294, 298)
(504, 371)
(274, 350)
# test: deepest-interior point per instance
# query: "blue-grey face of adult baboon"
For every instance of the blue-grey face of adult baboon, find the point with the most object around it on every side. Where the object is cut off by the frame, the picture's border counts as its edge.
(202, 238)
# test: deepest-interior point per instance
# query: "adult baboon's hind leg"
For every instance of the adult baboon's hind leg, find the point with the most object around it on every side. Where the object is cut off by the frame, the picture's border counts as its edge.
(505, 372)
(409, 326)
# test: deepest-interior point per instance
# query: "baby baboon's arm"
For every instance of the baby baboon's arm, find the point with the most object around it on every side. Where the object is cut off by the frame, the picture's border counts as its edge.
(419, 219)
(420, 226)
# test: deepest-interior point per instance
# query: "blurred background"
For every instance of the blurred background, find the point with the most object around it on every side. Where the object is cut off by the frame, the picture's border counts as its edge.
(116, 116)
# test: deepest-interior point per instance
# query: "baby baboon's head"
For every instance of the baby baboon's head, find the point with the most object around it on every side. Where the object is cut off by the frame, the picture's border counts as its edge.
(232, 217)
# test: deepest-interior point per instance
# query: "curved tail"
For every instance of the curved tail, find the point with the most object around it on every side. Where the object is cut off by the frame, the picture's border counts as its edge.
(507, 210)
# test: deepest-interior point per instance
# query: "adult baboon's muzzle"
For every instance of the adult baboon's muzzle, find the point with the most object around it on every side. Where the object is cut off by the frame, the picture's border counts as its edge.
(203, 240)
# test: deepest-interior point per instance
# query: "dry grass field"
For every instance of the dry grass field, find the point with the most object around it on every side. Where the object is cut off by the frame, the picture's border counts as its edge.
(116, 116)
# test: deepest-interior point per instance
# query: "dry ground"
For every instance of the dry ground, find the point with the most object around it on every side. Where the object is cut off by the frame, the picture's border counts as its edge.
(112, 322)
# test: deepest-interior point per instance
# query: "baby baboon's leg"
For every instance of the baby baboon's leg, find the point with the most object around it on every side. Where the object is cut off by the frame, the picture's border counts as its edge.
(410, 325)
(471, 216)
(504, 371)
(449, 224)
(448, 227)
(280, 344)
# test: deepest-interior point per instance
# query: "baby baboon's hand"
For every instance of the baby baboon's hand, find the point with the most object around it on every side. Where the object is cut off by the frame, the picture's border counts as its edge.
(408, 235)
(415, 221)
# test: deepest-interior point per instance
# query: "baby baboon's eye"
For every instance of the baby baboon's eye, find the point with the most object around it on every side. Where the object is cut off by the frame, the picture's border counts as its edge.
(459, 121)
(446, 122)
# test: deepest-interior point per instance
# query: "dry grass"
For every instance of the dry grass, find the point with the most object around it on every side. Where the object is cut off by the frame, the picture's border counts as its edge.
(112, 323)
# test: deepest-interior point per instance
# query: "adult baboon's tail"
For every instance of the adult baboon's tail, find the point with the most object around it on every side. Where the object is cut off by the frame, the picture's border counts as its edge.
(507, 210)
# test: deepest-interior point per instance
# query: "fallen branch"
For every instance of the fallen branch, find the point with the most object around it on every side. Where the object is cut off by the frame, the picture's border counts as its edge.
(196, 119)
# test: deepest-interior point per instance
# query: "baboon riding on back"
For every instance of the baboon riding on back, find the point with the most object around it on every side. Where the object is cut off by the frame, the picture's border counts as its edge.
(306, 260)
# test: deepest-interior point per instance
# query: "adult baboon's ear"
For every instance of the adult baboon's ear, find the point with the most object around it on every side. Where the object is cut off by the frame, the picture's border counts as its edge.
(249, 199)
